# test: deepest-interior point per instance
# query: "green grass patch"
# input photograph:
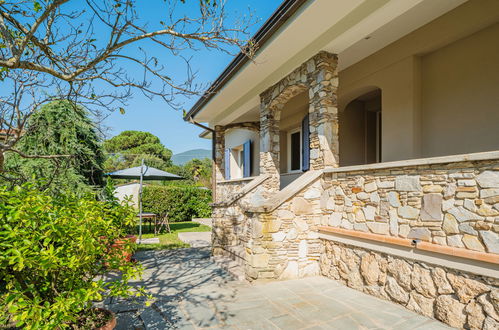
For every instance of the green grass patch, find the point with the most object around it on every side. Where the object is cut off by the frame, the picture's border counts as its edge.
(168, 241)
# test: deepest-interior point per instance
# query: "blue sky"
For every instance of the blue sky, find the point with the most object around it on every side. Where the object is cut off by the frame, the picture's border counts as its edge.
(157, 117)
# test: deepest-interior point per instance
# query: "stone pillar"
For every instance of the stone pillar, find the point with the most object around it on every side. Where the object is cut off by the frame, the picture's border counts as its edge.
(323, 110)
(219, 157)
(269, 143)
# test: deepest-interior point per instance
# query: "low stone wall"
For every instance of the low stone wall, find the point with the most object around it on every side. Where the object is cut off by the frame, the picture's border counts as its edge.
(455, 204)
(459, 299)
(231, 226)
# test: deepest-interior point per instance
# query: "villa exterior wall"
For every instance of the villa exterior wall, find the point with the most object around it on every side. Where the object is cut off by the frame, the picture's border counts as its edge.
(450, 204)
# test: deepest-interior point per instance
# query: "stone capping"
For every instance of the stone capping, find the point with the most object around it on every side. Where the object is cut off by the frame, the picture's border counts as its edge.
(292, 173)
(289, 191)
(425, 246)
(489, 155)
(255, 182)
(237, 180)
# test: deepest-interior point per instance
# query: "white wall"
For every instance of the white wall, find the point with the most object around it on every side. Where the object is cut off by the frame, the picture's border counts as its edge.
(131, 189)
(238, 136)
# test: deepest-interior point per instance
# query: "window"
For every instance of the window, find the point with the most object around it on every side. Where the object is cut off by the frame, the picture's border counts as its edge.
(294, 150)
(238, 161)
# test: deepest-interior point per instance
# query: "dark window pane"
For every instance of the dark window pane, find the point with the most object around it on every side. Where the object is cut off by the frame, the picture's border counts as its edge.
(295, 151)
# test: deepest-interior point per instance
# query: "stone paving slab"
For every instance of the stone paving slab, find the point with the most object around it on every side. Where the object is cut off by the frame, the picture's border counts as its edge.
(196, 239)
(192, 292)
(152, 240)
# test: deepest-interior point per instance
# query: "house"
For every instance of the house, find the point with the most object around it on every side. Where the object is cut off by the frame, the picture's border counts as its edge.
(361, 143)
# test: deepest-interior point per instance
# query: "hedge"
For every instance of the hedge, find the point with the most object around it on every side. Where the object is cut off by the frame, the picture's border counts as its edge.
(180, 203)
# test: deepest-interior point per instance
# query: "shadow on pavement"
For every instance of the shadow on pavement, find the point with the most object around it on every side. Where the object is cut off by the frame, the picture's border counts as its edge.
(188, 287)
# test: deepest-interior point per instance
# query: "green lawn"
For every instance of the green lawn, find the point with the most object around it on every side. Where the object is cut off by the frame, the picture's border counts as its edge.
(170, 240)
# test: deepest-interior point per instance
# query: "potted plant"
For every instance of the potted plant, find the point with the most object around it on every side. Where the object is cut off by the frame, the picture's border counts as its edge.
(54, 253)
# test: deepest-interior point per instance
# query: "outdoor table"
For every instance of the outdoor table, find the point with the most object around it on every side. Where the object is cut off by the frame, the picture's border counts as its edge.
(150, 217)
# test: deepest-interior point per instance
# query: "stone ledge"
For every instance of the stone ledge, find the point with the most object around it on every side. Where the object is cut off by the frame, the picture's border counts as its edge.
(289, 191)
(489, 155)
(250, 178)
(471, 261)
(255, 182)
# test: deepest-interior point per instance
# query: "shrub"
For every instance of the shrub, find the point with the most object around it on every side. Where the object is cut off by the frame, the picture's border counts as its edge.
(54, 252)
(179, 203)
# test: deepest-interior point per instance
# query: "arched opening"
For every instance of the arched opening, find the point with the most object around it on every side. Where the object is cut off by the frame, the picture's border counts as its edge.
(293, 138)
(360, 130)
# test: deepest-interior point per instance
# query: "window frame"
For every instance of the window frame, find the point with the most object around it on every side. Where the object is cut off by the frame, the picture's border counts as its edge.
(237, 162)
(289, 133)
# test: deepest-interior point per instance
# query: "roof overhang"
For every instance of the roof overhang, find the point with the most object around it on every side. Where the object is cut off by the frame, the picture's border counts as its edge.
(336, 26)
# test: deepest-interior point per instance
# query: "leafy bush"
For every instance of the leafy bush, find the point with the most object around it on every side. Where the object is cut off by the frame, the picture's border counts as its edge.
(179, 203)
(54, 252)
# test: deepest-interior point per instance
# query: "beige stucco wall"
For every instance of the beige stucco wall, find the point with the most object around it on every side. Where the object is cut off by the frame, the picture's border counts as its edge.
(351, 134)
(460, 96)
(439, 89)
(237, 136)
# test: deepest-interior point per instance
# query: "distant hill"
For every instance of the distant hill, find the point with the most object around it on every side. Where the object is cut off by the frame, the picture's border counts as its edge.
(184, 157)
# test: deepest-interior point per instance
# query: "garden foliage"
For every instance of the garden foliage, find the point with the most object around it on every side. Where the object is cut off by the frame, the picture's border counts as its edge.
(54, 252)
(180, 203)
(129, 148)
(59, 128)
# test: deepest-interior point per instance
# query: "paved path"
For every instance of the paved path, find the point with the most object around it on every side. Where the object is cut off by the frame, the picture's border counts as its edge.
(204, 221)
(192, 292)
(196, 239)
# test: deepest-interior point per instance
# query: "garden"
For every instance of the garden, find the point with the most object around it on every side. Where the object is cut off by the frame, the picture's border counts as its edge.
(66, 67)
(63, 232)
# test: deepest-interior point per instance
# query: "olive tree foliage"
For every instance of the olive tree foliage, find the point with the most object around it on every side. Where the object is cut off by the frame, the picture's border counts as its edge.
(82, 50)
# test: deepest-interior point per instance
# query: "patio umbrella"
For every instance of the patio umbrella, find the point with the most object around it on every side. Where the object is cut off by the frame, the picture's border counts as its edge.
(143, 172)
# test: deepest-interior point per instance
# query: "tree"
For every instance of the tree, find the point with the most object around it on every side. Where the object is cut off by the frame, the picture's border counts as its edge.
(200, 171)
(197, 172)
(83, 50)
(129, 148)
(59, 128)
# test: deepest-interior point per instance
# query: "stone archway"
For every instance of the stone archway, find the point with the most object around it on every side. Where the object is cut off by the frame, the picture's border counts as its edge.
(319, 77)
(270, 116)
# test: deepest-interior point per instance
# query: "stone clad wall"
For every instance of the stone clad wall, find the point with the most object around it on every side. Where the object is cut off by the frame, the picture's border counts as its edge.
(459, 299)
(231, 225)
(454, 204)
(285, 243)
(281, 244)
